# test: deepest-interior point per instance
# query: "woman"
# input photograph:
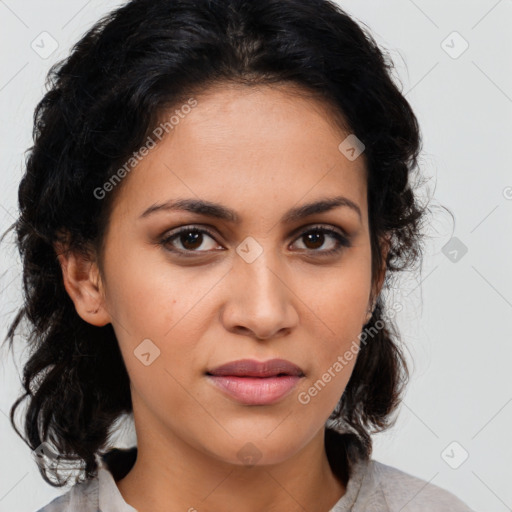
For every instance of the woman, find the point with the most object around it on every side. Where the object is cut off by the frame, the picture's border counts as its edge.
(217, 193)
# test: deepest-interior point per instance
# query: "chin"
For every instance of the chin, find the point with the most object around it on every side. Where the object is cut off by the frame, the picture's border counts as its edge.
(262, 450)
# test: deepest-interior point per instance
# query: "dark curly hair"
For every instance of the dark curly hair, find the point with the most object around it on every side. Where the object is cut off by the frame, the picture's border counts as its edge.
(103, 101)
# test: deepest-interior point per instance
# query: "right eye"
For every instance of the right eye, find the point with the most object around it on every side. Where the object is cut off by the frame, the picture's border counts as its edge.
(190, 238)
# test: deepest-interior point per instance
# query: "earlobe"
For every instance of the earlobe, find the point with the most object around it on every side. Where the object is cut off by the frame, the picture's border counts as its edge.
(82, 282)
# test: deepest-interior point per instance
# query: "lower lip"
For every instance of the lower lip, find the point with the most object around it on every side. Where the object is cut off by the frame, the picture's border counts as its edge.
(255, 390)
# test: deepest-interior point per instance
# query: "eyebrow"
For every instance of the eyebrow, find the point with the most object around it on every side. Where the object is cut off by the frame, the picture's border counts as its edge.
(219, 211)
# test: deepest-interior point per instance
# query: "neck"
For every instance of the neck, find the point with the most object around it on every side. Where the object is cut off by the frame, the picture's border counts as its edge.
(171, 471)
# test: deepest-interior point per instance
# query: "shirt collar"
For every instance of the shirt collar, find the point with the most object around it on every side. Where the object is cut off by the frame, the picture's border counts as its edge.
(109, 496)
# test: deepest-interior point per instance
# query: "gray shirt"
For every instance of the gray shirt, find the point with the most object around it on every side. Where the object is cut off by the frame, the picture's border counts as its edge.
(372, 487)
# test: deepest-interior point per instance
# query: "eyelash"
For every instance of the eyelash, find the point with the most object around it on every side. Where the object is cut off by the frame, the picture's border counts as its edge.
(342, 240)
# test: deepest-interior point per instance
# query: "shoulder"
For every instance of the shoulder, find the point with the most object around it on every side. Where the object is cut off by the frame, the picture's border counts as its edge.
(58, 504)
(82, 497)
(402, 491)
(86, 496)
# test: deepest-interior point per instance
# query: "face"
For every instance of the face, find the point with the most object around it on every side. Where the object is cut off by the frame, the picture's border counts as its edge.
(257, 284)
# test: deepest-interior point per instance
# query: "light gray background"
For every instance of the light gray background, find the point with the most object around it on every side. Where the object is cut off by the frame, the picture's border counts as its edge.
(456, 314)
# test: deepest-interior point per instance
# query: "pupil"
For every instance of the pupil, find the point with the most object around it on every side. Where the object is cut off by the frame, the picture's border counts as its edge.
(316, 237)
(191, 236)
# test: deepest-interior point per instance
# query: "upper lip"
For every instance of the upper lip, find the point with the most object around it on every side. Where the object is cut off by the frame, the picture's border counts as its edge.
(253, 368)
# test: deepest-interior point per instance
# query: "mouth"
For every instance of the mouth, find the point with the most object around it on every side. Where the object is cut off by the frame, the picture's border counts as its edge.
(251, 382)
(253, 368)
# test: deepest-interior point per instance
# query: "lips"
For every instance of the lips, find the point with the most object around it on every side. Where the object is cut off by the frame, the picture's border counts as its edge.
(251, 382)
(253, 368)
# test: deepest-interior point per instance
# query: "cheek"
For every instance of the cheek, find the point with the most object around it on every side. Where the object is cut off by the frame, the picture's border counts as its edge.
(159, 315)
(341, 298)
(340, 307)
(334, 355)
(147, 300)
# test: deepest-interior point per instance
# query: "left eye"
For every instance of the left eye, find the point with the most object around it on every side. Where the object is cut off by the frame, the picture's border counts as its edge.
(316, 237)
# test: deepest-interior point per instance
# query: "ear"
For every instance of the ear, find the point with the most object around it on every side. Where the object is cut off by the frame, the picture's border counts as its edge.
(385, 244)
(82, 281)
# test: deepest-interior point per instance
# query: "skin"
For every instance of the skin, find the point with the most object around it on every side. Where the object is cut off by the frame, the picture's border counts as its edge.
(259, 151)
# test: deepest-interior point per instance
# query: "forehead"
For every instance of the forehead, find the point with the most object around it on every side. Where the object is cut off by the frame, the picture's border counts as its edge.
(248, 146)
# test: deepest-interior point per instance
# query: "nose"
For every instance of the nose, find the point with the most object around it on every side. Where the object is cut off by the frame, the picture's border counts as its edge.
(261, 302)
